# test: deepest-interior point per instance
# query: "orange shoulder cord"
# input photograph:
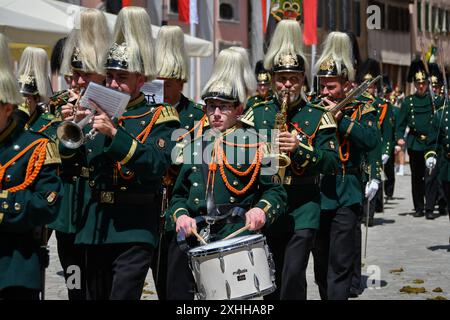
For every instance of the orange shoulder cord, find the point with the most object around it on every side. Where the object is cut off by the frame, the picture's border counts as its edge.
(142, 137)
(344, 156)
(383, 113)
(34, 166)
(198, 125)
(45, 127)
(219, 154)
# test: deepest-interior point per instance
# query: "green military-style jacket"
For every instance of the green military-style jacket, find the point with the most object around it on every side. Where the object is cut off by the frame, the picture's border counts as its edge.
(120, 177)
(189, 194)
(257, 99)
(190, 114)
(416, 112)
(30, 207)
(317, 154)
(438, 144)
(358, 135)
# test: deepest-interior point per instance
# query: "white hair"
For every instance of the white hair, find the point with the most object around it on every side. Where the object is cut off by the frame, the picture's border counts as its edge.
(133, 27)
(287, 39)
(249, 76)
(228, 76)
(171, 59)
(34, 62)
(338, 47)
(92, 38)
(9, 88)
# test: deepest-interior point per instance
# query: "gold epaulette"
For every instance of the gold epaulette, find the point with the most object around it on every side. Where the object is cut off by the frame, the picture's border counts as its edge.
(367, 108)
(248, 118)
(327, 121)
(259, 104)
(52, 155)
(169, 113)
(24, 108)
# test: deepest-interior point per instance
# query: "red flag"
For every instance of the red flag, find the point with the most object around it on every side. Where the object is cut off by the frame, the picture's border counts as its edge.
(183, 11)
(310, 22)
(126, 3)
(264, 14)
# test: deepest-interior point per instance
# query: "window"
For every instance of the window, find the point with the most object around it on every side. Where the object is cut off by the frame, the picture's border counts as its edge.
(229, 10)
(331, 15)
(344, 21)
(398, 19)
(173, 7)
(357, 18)
(320, 9)
(419, 15)
(427, 17)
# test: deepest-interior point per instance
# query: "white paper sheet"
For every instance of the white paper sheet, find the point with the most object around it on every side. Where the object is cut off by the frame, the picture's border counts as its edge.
(111, 101)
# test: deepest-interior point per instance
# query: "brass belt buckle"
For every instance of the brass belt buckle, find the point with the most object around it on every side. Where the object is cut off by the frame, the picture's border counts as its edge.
(106, 197)
(84, 172)
(287, 180)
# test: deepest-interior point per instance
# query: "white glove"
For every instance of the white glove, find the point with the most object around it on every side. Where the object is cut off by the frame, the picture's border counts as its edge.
(430, 162)
(372, 188)
(384, 158)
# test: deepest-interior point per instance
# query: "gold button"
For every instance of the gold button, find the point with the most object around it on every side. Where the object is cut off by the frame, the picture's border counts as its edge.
(314, 159)
(306, 123)
(123, 188)
(16, 147)
(308, 156)
(8, 178)
(194, 169)
(309, 110)
(266, 108)
(5, 205)
(195, 184)
(17, 206)
(186, 127)
(232, 200)
(74, 178)
(191, 115)
(197, 201)
(143, 123)
(91, 183)
(264, 122)
(239, 166)
(235, 183)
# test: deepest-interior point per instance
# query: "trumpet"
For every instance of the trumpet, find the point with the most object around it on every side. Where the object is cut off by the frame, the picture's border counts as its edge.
(70, 132)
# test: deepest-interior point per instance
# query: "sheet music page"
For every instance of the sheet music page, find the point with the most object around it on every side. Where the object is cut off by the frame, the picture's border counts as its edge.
(111, 101)
(154, 91)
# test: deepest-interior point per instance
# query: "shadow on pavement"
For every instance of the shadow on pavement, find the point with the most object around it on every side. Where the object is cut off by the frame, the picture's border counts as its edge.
(440, 247)
(381, 221)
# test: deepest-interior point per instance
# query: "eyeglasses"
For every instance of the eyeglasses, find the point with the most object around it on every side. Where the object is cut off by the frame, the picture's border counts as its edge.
(223, 108)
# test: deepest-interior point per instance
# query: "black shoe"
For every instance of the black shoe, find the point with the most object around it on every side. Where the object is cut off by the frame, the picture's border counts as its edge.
(389, 198)
(370, 222)
(354, 293)
(443, 211)
(418, 214)
(431, 216)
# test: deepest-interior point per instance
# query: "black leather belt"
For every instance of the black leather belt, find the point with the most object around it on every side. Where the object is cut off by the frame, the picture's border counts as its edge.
(120, 197)
(421, 136)
(299, 181)
(347, 171)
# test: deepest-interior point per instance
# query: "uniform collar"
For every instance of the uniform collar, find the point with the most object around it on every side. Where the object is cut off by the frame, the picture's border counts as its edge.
(8, 131)
(136, 101)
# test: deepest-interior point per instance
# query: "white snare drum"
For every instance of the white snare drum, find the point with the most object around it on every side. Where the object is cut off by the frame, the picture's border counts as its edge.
(238, 268)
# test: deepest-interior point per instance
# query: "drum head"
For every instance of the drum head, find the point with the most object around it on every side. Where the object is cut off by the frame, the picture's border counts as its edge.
(223, 245)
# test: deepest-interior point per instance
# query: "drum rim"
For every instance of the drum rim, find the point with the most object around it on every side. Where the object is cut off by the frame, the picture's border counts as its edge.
(254, 295)
(226, 248)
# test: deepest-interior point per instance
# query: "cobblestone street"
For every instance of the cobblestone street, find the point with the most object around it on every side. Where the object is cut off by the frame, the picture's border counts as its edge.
(397, 242)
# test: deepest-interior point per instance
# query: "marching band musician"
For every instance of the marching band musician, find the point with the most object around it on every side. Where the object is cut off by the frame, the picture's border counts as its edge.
(214, 186)
(125, 161)
(83, 57)
(342, 192)
(310, 140)
(264, 91)
(416, 112)
(35, 87)
(173, 68)
(30, 194)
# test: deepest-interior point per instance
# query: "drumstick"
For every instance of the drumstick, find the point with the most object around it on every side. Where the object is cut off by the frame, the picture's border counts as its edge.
(199, 237)
(234, 234)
